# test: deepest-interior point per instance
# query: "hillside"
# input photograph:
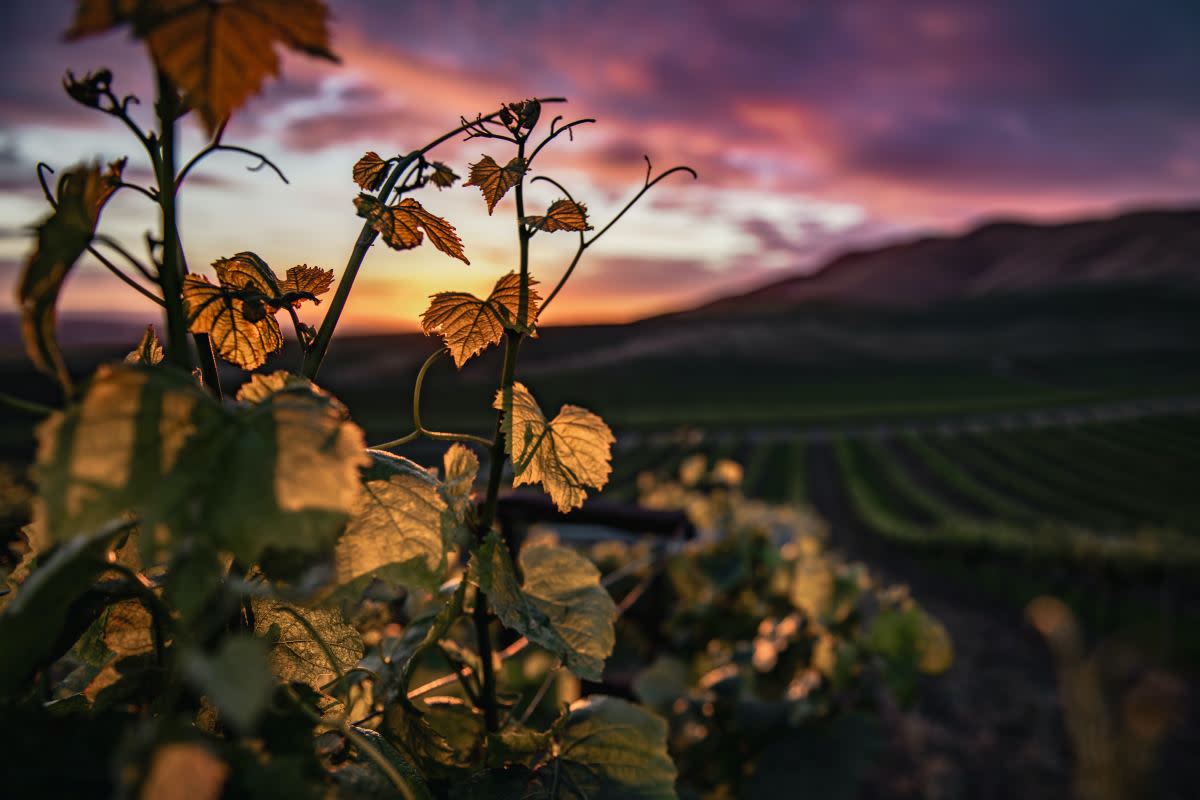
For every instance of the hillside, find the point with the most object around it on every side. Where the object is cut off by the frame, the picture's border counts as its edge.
(1144, 247)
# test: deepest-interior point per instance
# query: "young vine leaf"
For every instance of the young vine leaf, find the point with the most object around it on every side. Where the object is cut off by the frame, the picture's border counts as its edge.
(218, 54)
(468, 325)
(460, 467)
(149, 350)
(561, 605)
(401, 225)
(567, 455)
(260, 387)
(295, 655)
(563, 215)
(369, 171)
(442, 176)
(61, 239)
(305, 280)
(397, 531)
(493, 180)
(238, 313)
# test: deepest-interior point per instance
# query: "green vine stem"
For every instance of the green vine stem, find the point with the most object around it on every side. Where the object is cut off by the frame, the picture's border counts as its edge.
(419, 429)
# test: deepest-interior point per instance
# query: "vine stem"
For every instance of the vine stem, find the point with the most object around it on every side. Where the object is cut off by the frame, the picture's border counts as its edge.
(170, 274)
(366, 237)
(419, 429)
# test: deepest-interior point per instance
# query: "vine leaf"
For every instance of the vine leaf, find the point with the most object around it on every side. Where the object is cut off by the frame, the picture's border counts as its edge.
(442, 176)
(295, 655)
(61, 239)
(306, 280)
(185, 771)
(242, 333)
(260, 387)
(567, 455)
(149, 350)
(401, 225)
(149, 441)
(127, 629)
(561, 605)
(218, 54)
(460, 467)
(236, 679)
(493, 180)
(238, 313)
(369, 171)
(468, 325)
(612, 748)
(396, 532)
(563, 215)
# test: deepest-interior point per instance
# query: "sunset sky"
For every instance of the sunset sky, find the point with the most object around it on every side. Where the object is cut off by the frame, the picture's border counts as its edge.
(815, 127)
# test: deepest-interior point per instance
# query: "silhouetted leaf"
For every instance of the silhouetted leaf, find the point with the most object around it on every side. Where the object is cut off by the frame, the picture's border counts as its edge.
(493, 180)
(396, 531)
(236, 678)
(218, 54)
(567, 455)
(442, 176)
(401, 225)
(609, 749)
(469, 325)
(295, 655)
(148, 351)
(561, 605)
(61, 239)
(563, 215)
(369, 171)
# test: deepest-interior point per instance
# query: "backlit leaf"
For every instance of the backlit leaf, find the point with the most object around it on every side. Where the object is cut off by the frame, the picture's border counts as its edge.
(149, 351)
(442, 176)
(561, 605)
(242, 335)
(127, 629)
(185, 771)
(217, 53)
(563, 215)
(281, 473)
(401, 225)
(61, 239)
(469, 325)
(261, 386)
(567, 455)
(396, 531)
(306, 280)
(369, 171)
(493, 180)
(610, 748)
(295, 655)
(460, 468)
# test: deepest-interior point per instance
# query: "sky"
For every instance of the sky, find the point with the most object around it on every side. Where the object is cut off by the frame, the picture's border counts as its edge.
(816, 127)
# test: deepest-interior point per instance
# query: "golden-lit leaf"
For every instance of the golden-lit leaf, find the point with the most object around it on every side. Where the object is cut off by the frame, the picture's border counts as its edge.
(227, 320)
(306, 280)
(149, 351)
(469, 325)
(217, 53)
(246, 271)
(563, 215)
(61, 239)
(460, 467)
(401, 225)
(185, 771)
(260, 386)
(567, 455)
(101, 681)
(396, 531)
(493, 180)
(369, 171)
(295, 655)
(442, 176)
(560, 605)
(106, 455)
(149, 441)
(128, 629)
